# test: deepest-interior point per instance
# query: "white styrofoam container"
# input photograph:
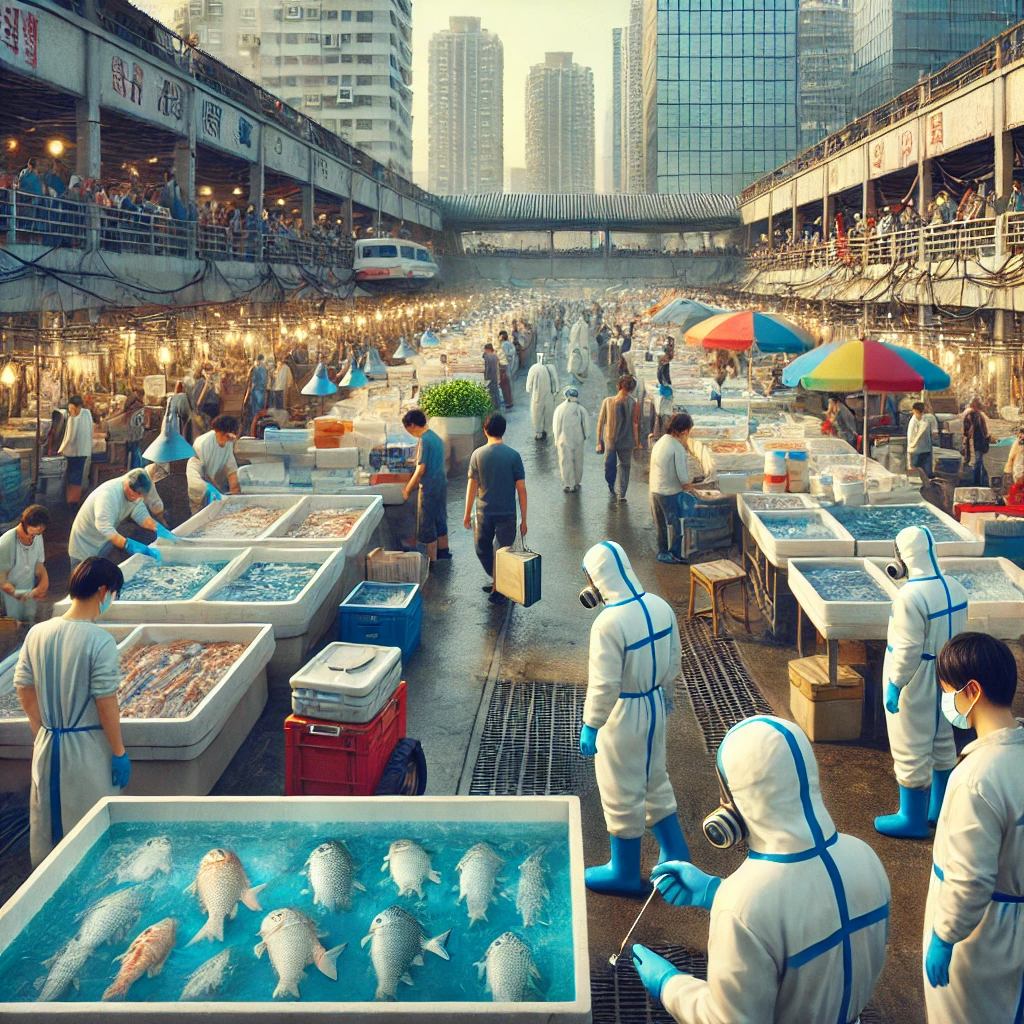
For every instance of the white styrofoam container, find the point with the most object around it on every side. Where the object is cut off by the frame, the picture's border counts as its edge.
(968, 544)
(842, 620)
(335, 458)
(358, 536)
(355, 695)
(32, 897)
(231, 503)
(750, 504)
(779, 550)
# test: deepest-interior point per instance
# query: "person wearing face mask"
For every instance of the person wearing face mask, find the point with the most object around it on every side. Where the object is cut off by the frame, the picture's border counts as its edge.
(929, 610)
(798, 932)
(635, 657)
(974, 915)
(67, 677)
(571, 428)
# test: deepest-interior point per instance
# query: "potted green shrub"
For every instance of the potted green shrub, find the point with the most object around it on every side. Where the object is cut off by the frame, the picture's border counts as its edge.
(456, 411)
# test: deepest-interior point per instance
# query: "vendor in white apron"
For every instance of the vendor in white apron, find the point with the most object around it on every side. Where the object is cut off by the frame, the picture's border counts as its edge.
(67, 678)
(23, 577)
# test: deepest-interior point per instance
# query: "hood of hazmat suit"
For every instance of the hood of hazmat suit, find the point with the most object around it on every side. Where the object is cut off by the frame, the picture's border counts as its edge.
(929, 610)
(798, 932)
(635, 657)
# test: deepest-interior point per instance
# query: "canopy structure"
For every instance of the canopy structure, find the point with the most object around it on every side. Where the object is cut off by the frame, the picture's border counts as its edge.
(737, 332)
(684, 313)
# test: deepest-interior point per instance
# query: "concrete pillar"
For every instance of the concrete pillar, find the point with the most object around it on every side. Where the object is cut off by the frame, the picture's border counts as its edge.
(607, 244)
(308, 206)
(185, 168)
(796, 221)
(1003, 143)
(924, 186)
(257, 180)
(551, 241)
(827, 208)
(87, 115)
(771, 219)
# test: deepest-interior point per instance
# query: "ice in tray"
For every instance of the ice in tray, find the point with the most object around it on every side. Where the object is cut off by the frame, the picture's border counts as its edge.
(248, 521)
(381, 595)
(267, 581)
(844, 585)
(169, 582)
(798, 528)
(986, 584)
(881, 522)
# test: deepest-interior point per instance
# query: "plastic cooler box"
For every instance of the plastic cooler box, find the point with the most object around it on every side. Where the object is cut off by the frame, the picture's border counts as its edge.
(361, 621)
(347, 682)
(341, 759)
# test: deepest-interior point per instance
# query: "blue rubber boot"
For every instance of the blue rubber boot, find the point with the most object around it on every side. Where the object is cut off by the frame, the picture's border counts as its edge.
(911, 822)
(669, 834)
(939, 779)
(621, 875)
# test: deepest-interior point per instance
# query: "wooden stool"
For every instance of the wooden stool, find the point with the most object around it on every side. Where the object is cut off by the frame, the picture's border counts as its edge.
(714, 577)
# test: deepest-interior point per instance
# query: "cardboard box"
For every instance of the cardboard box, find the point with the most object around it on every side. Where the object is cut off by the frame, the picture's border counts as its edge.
(825, 712)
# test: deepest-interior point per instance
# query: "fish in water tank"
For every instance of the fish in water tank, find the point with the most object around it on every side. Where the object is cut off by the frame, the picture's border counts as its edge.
(220, 885)
(207, 978)
(146, 955)
(293, 942)
(330, 872)
(478, 875)
(398, 942)
(532, 893)
(410, 867)
(511, 973)
(145, 861)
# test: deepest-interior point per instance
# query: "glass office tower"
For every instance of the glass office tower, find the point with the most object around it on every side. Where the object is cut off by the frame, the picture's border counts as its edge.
(720, 92)
(895, 40)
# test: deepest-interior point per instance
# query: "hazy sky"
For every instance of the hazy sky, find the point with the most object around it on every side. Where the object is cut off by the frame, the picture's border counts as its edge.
(528, 29)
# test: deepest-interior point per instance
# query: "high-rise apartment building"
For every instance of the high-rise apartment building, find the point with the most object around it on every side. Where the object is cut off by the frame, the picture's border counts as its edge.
(633, 173)
(466, 110)
(617, 109)
(720, 92)
(825, 63)
(895, 40)
(518, 181)
(560, 126)
(344, 63)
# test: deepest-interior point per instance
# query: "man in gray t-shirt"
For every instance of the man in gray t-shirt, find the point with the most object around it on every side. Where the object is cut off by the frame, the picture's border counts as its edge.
(496, 476)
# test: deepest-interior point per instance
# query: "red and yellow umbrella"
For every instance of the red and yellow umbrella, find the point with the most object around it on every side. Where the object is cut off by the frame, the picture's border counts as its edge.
(737, 332)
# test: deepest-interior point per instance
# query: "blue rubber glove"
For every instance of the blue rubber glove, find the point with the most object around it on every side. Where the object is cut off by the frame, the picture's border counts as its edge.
(134, 547)
(654, 970)
(683, 885)
(121, 770)
(892, 698)
(165, 534)
(588, 741)
(212, 494)
(936, 961)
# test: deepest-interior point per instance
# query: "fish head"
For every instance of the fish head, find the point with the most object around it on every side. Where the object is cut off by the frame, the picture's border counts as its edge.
(401, 846)
(393, 915)
(274, 921)
(216, 858)
(157, 844)
(506, 938)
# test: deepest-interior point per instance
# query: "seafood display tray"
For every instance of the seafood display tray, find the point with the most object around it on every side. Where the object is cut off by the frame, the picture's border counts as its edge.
(750, 504)
(174, 755)
(409, 812)
(847, 619)
(778, 550)
(967, 543)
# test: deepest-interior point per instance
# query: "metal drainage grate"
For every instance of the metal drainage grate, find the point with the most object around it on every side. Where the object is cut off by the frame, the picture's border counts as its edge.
(619, 997)
(718, 684)
(530, 742)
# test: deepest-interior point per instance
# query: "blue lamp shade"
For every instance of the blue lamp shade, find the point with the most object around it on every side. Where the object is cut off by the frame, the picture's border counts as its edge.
(404, 350)
(319, 383)
(355, 378)
(169, 445)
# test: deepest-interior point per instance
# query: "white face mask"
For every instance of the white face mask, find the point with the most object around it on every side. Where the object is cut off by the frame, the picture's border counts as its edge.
(954, 717)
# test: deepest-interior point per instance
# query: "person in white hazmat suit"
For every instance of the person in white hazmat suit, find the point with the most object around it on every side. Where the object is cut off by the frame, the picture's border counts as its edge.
(67, 677)
(798, 932)
(578, 352)
(929, 610)
(571, 428)
(635, 657)
(974, 916)
(541, 386)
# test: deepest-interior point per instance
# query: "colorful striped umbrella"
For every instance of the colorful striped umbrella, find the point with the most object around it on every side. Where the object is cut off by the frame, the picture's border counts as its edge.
(737, 332)
(846, 366)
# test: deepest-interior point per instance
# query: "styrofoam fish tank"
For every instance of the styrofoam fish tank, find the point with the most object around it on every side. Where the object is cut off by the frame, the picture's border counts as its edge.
(785, 534)
(144, 852)
(995, 592)
(843, 597)
(750, 504)
(874, 528)
(180, 727)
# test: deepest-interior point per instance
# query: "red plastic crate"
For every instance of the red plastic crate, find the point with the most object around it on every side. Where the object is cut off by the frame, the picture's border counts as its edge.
(339, 759)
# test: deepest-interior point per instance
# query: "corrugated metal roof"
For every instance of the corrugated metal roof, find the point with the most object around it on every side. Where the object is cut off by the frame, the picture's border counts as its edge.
(497, 211)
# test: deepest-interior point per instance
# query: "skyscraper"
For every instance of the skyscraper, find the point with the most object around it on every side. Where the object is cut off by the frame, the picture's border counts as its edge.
(895, 40)
(633, 174)
(825, 61)
(344, 63)
(560, 125)
(617, 109)
(466, 110)
(720, 81)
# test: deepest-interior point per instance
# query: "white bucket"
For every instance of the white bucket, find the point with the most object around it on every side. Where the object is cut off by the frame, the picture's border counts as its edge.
(774, 473)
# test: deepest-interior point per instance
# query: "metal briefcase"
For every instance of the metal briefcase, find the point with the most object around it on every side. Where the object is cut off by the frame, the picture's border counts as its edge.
(517, 573)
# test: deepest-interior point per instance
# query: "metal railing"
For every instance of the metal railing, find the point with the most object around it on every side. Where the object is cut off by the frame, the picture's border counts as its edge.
(970, 239)
(63, 223)
(1013, 231)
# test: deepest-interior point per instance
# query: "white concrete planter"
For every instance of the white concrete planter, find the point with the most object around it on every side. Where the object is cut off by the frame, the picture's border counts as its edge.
(461, 436)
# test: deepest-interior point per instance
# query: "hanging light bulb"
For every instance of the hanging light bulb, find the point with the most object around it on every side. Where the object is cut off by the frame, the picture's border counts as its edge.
(380, 315)
(8, 375)
(164, 356)
(320, 383)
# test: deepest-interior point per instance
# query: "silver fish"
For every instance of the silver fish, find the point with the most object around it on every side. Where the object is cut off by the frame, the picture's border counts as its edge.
(511, 972)
(293, 942)
(397, 943)
(532, 893)
(410, 867)
(64, 967)
(145, 861)
(220, 884)
(478, 873)
(330, 872)
(113, 917)
(207, 978)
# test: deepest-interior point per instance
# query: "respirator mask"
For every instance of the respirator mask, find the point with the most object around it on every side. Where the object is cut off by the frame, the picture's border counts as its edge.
(724, 827)
(590, 596)
(897, 569)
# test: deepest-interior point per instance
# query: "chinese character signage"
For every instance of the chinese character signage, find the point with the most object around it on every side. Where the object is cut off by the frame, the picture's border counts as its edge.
(19, 31)
(212, 115)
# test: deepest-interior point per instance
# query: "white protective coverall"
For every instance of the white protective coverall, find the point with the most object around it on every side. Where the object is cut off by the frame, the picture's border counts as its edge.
(798, 931)
(929, 610)
(571, 427)
(579, 340)
(70, 662)
(635, 657)
(976, 893)
(541, 386)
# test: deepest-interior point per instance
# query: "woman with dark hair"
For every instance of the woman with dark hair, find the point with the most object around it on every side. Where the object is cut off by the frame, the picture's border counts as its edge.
(67, 678)
(23, 577)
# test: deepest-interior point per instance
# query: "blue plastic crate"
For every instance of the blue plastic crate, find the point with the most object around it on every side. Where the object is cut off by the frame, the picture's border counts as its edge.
(363, 619)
